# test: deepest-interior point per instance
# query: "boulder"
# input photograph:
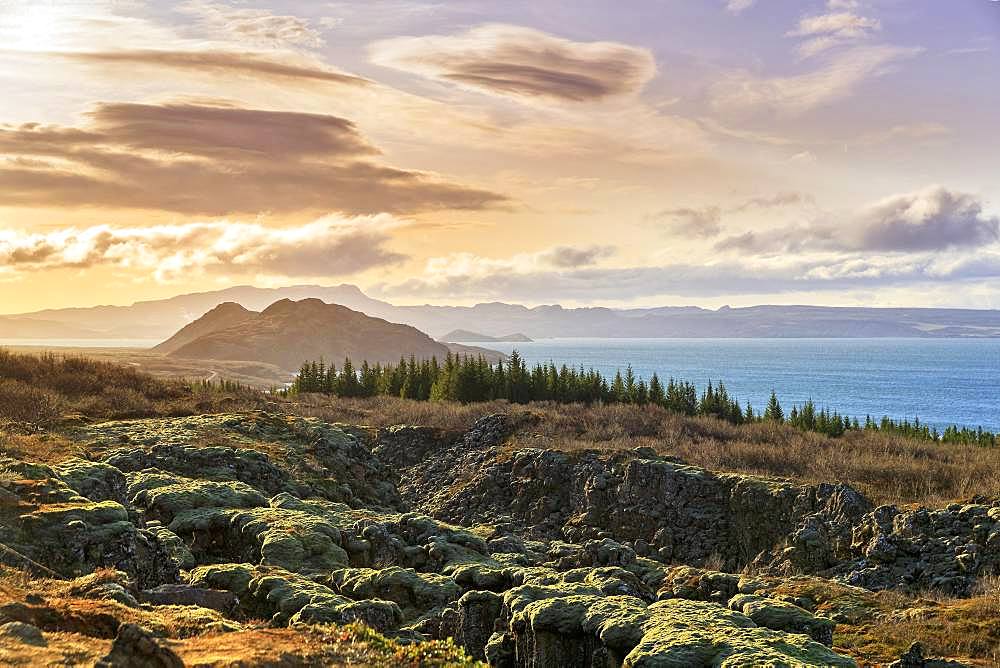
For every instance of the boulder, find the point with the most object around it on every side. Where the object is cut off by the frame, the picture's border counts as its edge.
(135, 647)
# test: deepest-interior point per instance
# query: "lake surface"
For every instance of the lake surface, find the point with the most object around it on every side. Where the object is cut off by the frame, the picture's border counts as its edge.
(941, 381)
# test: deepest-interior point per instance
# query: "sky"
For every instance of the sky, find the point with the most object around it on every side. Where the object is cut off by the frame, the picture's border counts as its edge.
(654, 152)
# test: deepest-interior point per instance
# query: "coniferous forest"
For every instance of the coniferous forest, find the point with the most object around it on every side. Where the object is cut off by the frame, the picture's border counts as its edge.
(474, 379)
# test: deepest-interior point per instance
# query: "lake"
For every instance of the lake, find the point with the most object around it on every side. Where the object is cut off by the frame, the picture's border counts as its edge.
(941, 381)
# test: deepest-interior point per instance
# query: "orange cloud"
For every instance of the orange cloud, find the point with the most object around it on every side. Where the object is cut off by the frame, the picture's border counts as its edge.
(257, 65)
(512, 60)
(329, 246)
(216, 160)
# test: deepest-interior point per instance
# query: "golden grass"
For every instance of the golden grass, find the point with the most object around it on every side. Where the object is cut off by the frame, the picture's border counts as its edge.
(887, 469)
(47, 389)
(43, 448)
(79, 630)
(964, 629)
(875, 628)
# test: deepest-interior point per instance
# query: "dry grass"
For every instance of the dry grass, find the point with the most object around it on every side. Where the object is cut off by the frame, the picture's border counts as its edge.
(43, 448)
(887, 469)
(79, 630)
(44, 389)
(964, 629)
(258, 374)
(877, 627)
(450, 417)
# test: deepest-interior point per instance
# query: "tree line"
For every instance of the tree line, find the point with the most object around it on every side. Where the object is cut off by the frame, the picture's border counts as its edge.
(469, 379)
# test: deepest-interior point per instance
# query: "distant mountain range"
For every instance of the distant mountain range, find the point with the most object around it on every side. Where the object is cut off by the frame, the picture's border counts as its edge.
(288, 333)
(160, 319)
(465, 336)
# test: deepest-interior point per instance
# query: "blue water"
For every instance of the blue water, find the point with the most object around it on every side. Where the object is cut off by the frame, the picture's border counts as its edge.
(941, 381)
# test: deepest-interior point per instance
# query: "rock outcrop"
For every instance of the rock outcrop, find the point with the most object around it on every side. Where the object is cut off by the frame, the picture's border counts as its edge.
(521, 557)
(655, 506)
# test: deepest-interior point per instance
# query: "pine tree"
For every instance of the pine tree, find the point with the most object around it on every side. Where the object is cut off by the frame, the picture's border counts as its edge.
(656, 394)
(773, 412)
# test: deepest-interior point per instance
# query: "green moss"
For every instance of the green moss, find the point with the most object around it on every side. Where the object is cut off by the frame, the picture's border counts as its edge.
(164, 496)
(783, 616)
(698, 584)
(291, 539)
(95, 513)
(686, 633)
(289, 598)
(483, 576)
(230, 577)
(270, 452)
(376, 613)
(617, 621)
(172, 544)
(416, 593)
(842, 603)
(569, 612)
(382, 651)
(96, 481)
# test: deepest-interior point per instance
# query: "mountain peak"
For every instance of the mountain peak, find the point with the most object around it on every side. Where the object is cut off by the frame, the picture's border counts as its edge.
(288, 333)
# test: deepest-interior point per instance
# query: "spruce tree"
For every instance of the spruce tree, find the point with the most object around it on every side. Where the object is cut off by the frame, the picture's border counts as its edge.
(773, 412)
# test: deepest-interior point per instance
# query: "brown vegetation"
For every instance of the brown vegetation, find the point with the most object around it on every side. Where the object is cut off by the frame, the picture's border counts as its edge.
(79, 628)
(44, 389)
(158, 365)
(887, 469)
(875, 628)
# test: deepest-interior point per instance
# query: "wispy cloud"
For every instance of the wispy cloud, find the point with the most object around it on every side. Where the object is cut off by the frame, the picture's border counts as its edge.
(288, 68)
(702, 223)
(729, 278)
(774, 201)
(522, 62)
(739, 6)
(706, 222)
(254, 26)
(796, 94)
(329, 246)
(835, 28)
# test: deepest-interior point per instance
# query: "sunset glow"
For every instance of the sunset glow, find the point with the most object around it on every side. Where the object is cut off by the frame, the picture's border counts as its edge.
(829, 152)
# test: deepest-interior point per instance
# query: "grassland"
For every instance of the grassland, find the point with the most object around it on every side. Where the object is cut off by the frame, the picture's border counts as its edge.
(46, 389)
(887, 469)
(258, 374)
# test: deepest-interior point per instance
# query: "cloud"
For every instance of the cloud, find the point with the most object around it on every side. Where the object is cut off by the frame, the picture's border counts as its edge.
(521, 62)
(215, 160)
(842, 4)
(739, 6)
(258, 65)
(773, 202)
(569, 257)
(496, 280)
(329, 246)
(446, 274)
(703, 223)
(934, 219)
(252, 25)
(826, 31)
(706, 222)
(793, 95)
(909, 133)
